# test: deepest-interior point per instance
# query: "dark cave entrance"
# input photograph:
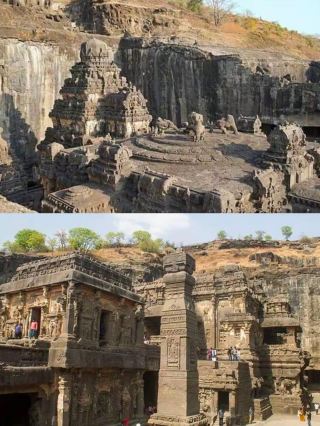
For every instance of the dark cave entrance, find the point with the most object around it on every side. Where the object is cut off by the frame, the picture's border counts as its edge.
(312, 132)
(150, 379)
(223, 400)
(15, 409)
(313, 380)
(274, 335)
(152, 326)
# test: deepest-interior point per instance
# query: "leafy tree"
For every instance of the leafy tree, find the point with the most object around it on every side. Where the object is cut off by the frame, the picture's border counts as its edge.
(221, 9)
(114, 238)
(287, 232)
(260, 235)
(62, 239)
(27, 240)
(141, 236)
(83, 239)
(52, 243)
(194, 5)
(145, 242)
(221, 235)
(248, 237)
(11, 247)
(268, 237)
(152, 246)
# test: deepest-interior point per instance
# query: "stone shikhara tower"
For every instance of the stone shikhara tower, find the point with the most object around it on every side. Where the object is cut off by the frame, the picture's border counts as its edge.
(178, 401)
(96, 101)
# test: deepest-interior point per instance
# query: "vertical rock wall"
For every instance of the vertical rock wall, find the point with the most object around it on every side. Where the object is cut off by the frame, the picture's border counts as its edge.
(178, 79)
(31, 75)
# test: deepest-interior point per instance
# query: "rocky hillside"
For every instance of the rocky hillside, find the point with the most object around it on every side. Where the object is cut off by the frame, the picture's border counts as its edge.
(69, 20)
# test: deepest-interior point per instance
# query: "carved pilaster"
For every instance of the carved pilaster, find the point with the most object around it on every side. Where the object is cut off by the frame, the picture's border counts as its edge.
(178, 378)
(64, 401)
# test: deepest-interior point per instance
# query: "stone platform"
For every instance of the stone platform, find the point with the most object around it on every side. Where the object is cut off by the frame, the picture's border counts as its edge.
(220, 162)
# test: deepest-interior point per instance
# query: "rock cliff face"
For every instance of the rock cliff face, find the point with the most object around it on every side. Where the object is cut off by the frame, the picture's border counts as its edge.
(302, 288)
(31, 75)
(177, 79)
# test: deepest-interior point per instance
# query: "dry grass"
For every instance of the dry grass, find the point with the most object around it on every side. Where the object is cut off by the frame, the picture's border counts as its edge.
(207, 260)
(236, 32)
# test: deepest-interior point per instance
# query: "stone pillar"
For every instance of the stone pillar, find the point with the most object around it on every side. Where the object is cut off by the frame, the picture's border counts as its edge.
(178, 400)
(70, 320)
(64, 401)
(140, 399)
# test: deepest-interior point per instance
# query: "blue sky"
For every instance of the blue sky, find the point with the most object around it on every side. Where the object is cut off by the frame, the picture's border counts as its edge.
(302, 16)
(178, 228)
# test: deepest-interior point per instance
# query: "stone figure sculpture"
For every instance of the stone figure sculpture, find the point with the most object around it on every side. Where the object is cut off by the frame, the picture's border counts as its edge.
(257, 126)
(226, 124)
(164, 125)
(196, 126)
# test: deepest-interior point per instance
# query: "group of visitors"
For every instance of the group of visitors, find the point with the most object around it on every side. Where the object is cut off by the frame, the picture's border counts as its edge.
(305, 414)
(33, 331)
(212, 354)
(234, 353)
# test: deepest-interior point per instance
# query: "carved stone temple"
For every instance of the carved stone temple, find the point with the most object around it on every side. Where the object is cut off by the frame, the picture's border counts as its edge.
(109, 346)
(105, 147)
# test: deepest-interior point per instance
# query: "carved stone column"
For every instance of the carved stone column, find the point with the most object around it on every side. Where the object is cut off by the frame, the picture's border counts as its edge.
(178, 377)
(70, 319)
(64, 401)
(140, 399)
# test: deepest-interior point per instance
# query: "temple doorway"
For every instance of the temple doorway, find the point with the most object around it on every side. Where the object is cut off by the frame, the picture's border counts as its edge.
(223, 401)
(35, 317)
(150, 379)
(314, 384)
(15, 409)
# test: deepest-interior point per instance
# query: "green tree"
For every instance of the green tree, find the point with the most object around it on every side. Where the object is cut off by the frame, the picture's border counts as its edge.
(141, 236)
(260, 235)
(27, 240)
(143, 239)
(115, 238)
(221, 235)
(287, 232)
(248, 237)
(83, 239)
(268, 237)
(194, 5)
(152, 246)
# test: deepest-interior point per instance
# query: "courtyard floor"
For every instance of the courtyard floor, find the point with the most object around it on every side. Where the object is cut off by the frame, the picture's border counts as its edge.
(284, 420)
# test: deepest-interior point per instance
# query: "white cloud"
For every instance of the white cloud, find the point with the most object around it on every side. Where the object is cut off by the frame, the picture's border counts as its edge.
(164, 225)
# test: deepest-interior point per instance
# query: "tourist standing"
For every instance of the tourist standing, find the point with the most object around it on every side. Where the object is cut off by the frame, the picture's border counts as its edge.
(230, 353)
(221, 416)
(250, 415)
(301, 415)
(34, 329)
(238, 354)
(125, 421)
(316, 407)
(213, 355)
(309, 415)
(18, 331)
(209, 354)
